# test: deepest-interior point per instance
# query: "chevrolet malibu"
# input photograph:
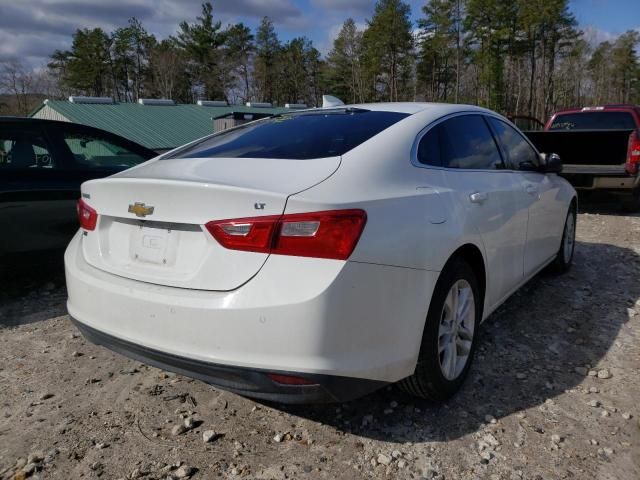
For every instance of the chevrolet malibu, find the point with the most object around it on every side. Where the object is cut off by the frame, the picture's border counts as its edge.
(321, 254)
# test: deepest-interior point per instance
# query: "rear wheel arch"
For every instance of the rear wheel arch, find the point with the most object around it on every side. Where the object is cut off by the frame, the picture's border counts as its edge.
(472, 255)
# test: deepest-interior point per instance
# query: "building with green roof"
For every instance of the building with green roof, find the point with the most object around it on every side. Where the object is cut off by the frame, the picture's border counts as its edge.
(156, 124)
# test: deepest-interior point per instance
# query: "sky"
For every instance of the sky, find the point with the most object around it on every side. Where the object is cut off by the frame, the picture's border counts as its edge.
(30, 30)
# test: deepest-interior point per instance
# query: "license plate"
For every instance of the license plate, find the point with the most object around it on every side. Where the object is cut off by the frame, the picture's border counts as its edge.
(150, 245)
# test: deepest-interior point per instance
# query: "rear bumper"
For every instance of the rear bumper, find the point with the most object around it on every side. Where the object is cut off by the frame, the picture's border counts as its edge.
(308, 317)
(601, 177)
(243, 381)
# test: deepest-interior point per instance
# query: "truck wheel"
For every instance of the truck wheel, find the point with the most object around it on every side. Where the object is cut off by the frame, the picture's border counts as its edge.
(564, 258)
(449, 337)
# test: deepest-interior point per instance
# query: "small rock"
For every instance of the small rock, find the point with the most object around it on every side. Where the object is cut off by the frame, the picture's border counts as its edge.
(581, 370)
(278, 437)
(396, 454)
(556, 439)
(209, 436)
(46, 396)
(35, 457)
(593, 373)
(594, 403)
(189, 422)
(521, 376)
(101, 445)
(594, 390)
(593, 441)
(178, 430)
(608, 451)
(388, 411)
(604, 373)
(490, 419)
(29, 468)
(384, 459)
(605, 413)
(76, 354)
(626, 415)
(184, 472)
(393, 404)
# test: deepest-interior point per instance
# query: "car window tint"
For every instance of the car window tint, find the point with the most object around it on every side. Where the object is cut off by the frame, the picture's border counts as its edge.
(93, 151)
(429, 147)
(593, 121)
(516, 148)
(24, 150)
(300, 136)
(466, 142)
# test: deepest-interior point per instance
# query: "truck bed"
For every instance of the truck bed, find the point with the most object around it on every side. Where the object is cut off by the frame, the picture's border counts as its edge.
(597, 150)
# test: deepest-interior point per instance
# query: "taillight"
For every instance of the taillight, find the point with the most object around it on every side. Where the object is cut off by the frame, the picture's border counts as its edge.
(331, 234)
(633, 154)
(87, 216)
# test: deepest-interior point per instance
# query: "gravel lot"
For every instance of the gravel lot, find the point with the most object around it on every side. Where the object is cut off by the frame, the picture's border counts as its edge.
(554, 393)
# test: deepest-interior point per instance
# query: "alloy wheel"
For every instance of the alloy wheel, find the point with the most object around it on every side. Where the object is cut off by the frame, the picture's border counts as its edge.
(456, 329)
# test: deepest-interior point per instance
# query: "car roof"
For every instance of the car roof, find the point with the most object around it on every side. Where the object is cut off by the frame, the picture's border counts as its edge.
(599, 108)
(410, 107)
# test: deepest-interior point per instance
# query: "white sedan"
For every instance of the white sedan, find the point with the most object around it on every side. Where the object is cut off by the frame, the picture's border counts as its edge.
(321, 254)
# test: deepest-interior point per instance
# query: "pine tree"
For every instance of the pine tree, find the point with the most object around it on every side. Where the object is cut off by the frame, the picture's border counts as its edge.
(201, 42)
(266, 63)
(388, 46)
(344, 70)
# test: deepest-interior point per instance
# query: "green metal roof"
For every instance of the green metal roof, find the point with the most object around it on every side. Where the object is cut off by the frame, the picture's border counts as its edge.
(158, 127)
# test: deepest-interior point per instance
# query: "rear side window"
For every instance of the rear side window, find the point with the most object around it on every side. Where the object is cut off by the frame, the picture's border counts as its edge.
(593, 121)
(92, 151)
(21, 150)
(463, 142)
(516, 148)
(299, 136)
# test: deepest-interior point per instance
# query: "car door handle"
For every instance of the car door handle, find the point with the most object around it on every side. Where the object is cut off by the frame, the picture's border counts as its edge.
(478, 197)
(531, 189)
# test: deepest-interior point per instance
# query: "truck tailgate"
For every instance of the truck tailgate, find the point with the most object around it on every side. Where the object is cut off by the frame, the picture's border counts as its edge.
(584, 147)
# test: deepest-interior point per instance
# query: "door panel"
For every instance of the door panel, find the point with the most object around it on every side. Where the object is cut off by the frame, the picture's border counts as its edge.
(538, 191)
(500, 217)
(487, 198)
(545, 218)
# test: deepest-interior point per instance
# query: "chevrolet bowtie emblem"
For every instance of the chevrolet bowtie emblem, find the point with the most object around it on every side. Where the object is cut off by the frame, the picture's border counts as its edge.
(140, 209)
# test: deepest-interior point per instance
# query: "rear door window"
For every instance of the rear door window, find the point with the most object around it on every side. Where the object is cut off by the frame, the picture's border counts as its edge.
(94, 151)
(463, 142)
(300, 136)
(24, 150)
(593, 121)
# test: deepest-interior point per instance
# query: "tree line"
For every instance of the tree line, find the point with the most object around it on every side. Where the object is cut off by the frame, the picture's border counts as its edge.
(514, 56)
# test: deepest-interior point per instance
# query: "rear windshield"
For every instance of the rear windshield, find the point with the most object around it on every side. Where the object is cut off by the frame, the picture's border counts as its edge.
(594, 121)
(299, 136)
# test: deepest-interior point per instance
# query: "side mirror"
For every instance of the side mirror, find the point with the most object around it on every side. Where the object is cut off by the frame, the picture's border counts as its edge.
(551, 163)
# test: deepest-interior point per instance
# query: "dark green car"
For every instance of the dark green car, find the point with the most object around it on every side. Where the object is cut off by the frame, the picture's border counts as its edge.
(42, 165)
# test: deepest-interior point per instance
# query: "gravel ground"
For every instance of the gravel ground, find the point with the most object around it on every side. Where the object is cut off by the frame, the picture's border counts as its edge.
(553, 394)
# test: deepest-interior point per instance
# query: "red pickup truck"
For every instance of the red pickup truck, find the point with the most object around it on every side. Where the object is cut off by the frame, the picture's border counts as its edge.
(599, 147)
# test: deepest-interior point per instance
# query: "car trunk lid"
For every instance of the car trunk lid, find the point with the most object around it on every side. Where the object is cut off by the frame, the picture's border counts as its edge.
(152, 217)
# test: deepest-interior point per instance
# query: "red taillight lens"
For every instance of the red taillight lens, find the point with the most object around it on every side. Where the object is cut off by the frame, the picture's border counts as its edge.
(289, 379)
(331, 234)
(633, 154)
(87, 216)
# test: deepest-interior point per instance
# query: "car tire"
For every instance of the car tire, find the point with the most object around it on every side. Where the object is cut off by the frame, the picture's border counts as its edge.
(564, 258)
(433, 378)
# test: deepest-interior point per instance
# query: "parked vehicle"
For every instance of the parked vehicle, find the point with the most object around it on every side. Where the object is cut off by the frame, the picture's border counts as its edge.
(599, 147)
(319, 255)
(42, 164)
